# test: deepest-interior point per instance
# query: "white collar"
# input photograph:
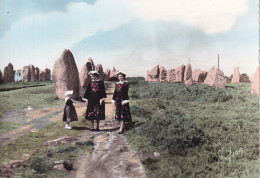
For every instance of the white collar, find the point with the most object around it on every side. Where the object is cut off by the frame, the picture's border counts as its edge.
(122, 82)
(94, 80)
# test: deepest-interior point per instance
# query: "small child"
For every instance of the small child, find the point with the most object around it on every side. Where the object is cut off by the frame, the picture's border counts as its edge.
(70, 113)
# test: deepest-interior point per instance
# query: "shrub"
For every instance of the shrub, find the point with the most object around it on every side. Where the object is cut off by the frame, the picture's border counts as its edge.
(180, 92)
(173, 132)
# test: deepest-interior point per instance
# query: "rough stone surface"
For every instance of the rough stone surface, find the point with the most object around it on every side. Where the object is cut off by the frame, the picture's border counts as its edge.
(198, 76)
(26, 73)
(32, 70)
(47, 74)
(229, 79)
(113, 73)
(107, 74)
(37, 73)
(1, 77)
(236, 75)
(244, 78)
(65, 75)
(255, 82)
(99, 69)
(171, 75)
(42, 75)
(9, 73)
(162, 74)
(215, 78)
(188, 75)
(84, 77)
(179, 71)
(153, 75)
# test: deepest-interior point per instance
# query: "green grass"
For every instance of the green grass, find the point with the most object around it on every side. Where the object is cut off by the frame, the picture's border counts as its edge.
(37, 97)
(231, 126)
(6, 126)
(41, 163)
(18, 85)
(29, 141)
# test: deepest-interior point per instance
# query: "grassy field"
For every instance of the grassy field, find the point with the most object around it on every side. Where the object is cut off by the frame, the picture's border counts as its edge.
(198, 131)
(32, 140)
(37, 95)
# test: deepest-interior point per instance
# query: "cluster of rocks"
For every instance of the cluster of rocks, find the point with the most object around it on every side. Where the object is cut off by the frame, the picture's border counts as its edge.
(73, 80)
(28, 73)
(214, 77)
(84, 77)
(31, 73)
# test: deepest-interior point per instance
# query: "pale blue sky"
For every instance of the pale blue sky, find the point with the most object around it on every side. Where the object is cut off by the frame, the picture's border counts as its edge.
(131, 35)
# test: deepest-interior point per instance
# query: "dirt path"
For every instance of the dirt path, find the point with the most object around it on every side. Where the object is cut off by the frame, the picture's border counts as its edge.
(112, 156)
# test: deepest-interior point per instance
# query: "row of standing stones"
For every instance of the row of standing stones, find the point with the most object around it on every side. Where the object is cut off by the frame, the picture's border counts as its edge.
(66, 77)
(28, 73)
(74, 80)
(214, 77)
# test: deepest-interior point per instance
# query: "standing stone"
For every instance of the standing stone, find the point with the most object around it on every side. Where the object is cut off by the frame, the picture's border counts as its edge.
(236, 75)
(1, 77)
(180, 73)
(47, 74)
(229, 79)
(42, 75)
(188, 75)
(113, 73)
(32, 69)
(171, 75)
(244, 78)
(163, 74)
(37, 73)
(255, 82)
(107, 74)
(215, 78)
(198, 76)
(84, 77)
(153, 75)
(26, 74)
(99, 69)
(9, 73)
(65, 75)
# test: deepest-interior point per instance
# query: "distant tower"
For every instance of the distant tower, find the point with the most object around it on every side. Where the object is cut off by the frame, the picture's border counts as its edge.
(218, 60)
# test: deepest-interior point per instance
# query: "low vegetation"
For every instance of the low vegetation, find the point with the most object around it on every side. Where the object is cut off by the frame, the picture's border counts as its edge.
(208, 133)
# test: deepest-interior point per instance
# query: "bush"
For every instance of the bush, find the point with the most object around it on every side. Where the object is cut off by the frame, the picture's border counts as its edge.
(180, 92)
(173, 132)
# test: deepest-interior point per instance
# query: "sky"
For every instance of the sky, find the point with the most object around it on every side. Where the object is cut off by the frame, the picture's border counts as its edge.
(131, 35)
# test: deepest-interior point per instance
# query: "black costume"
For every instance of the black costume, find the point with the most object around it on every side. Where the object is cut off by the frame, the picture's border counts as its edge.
(70, 113)
(94, 93)
(121, 94)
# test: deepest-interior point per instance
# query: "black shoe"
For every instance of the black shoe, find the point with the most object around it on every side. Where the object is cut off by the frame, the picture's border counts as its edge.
(120, 132)
(97, 130)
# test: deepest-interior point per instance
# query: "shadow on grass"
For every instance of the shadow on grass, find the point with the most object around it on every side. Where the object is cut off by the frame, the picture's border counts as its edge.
(100, 129)
(80, 128)
(131, 125)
